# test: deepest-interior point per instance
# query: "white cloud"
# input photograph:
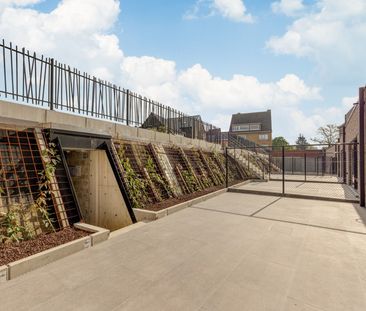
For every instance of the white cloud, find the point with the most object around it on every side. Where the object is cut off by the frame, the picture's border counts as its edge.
(288, 7)
(146, 71)
(75, 32)
(92, 47)
(19, 3)
(234, 10)
(347, 102)
(332, 35)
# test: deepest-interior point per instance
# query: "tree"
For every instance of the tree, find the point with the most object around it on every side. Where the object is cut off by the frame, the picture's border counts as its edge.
(278, 142)
(301, 142)
(327, 134)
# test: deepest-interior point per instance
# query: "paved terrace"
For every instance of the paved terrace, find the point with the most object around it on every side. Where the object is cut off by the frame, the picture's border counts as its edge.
(308, 188)
(233, 252)
(309, 177)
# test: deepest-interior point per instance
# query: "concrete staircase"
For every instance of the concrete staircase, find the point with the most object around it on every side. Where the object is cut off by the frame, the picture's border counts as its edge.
(254, 157)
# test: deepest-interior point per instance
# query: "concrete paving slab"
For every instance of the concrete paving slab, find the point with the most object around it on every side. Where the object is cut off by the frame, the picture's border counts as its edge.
(326, 190)
(336, 215)
(202, 259)
(237, 203)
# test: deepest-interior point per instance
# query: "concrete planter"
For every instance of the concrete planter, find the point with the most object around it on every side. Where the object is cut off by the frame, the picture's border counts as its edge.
(98, 234)
(22, 266)
(35, 261)
(3, 274)
(146, 215)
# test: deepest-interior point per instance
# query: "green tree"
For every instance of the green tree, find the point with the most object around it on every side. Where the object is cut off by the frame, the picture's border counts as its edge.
(327, 134)
(278, 142)
(301, 142)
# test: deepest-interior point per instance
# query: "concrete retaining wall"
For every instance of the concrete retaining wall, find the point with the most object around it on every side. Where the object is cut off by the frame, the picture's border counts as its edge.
(16, 115)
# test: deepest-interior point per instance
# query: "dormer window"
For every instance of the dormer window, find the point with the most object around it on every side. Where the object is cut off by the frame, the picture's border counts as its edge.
(247, 127)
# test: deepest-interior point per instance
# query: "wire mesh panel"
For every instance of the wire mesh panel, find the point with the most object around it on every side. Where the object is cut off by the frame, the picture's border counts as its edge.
(26, 196)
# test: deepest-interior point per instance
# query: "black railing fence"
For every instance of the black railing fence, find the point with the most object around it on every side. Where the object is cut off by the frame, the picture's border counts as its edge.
(325, 171)
(45, 82)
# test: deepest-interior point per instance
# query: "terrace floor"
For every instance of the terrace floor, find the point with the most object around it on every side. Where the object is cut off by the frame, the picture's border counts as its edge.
(310, 177)
(317, 186)
(233, 252)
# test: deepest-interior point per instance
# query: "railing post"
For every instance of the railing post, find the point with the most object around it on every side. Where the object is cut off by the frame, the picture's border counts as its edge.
(283, 170)
(169, 117)
(305, 165)
(128, 107)
(361, 101)
(51, 84)
(226, 169)
(344, 157)
(270, 165)
(248, 161)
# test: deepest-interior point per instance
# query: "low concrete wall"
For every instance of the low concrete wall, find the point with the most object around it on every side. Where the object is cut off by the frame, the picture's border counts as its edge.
(146, 215)
(33, 262)
(98, 234)
(3, 274)
(25, 265)
(21, 116)
(126, 229)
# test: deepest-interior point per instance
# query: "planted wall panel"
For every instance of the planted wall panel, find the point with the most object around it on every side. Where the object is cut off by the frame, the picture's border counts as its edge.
(28, 203)
(159, 176)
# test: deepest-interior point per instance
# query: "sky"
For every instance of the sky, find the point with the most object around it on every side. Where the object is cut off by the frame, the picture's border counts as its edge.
(303, 59)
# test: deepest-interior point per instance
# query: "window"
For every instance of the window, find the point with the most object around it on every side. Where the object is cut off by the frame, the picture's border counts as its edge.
(241, 127)
(247, 127)
(263, 137)
(255, 127)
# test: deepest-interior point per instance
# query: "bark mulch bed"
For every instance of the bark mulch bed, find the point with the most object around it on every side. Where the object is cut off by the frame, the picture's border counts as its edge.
(174, 201)
(10, 252)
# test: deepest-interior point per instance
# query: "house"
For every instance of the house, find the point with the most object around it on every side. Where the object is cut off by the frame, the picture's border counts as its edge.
(348, 150)
(188, 126)
(254, 126)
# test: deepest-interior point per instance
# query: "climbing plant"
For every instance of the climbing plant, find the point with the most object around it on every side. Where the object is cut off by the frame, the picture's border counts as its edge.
(156, 178)
(14, 224)
(51, 159)
(190, 180)
(136, 186)
(14, 227)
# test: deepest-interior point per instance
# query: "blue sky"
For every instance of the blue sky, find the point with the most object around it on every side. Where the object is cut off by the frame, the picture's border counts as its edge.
(213, 57)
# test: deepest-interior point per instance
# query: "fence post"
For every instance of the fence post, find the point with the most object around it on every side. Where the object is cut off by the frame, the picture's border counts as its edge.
(226, 169)
(305, 165)
(283, 170)
(51, 84)
(128, 107)
(292, 165)
(248, 161)
(361, 101)
(270, 165)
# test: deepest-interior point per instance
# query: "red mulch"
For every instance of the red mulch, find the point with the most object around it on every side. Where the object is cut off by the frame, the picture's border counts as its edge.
(10, 252)
(174, 201)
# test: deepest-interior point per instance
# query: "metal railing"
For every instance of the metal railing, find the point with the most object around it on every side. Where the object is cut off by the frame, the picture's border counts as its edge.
(314, 171)
(45, 82)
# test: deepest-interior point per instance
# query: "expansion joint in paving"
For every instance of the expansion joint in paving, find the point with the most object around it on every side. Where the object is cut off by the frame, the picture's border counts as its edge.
(278, 220)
